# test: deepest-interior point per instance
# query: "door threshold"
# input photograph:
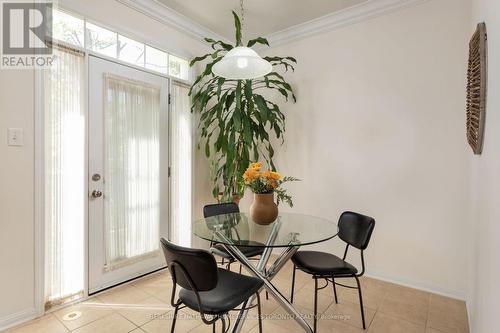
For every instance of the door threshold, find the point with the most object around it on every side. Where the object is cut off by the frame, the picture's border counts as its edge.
(127, 281)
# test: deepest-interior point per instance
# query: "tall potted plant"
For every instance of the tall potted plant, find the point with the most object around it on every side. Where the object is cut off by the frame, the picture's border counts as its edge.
(238, 119)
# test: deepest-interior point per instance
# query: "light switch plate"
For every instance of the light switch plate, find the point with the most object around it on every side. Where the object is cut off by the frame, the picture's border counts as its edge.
(15, 137)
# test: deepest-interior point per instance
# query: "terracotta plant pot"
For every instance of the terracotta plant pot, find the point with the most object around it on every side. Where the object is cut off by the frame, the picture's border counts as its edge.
(263, 209)
(236, 198)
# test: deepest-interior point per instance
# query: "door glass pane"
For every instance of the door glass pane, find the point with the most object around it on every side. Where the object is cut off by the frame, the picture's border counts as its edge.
(130, 51)
(64, 177)
(132, 170)
(101, 40)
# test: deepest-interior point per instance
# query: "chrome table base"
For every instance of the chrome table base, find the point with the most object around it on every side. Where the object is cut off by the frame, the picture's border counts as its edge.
(266, 275)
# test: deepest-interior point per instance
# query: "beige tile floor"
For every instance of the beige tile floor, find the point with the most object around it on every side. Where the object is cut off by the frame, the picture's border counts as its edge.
(144, 306)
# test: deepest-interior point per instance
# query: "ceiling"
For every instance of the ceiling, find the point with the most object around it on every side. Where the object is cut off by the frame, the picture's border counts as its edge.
(262, 17)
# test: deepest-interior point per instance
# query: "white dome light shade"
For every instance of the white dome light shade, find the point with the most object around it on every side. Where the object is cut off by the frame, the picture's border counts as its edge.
(242, 63)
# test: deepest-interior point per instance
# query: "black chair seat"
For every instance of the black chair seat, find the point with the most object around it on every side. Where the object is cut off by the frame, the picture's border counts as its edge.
(249, 251)
(321, 263)
(232, 289)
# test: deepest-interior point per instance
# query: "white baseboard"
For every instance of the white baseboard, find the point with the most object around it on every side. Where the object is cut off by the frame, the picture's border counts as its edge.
(460, 295)
(17, 318)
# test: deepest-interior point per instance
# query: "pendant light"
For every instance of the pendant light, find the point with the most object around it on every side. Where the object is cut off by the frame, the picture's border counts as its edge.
(242, 63)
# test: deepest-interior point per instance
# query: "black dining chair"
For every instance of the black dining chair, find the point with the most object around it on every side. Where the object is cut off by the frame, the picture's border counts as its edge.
(256, 248)
(355, 230)
(205, 288)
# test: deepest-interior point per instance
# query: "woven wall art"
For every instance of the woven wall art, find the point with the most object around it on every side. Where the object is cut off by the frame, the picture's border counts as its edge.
(476, 88)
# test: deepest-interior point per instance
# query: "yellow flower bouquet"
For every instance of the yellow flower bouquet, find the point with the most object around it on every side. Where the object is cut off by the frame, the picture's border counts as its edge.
(267, 181)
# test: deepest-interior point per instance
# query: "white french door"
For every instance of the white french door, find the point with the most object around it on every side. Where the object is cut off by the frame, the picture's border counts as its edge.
(127, 172)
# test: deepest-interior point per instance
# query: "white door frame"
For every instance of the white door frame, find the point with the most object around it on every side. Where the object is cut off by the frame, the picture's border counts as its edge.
(39, 194)
(96, 138)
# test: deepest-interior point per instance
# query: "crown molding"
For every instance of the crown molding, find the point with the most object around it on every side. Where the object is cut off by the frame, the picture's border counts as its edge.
(351, 15)
(170, 17)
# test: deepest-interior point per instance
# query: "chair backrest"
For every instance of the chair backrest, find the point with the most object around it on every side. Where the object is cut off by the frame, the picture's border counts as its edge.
(199, 266)
(356, 229)
(219, 209)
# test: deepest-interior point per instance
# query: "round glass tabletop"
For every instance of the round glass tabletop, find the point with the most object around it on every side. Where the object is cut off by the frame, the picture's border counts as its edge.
(288, 229)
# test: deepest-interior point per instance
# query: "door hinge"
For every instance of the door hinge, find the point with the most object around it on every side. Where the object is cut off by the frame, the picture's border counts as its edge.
(169, 99)
(169, 171)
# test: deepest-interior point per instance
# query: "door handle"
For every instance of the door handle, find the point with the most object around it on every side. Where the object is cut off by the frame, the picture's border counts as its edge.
(96, 194)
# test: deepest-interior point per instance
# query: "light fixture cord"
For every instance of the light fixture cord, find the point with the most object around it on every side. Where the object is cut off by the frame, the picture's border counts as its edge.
(242, 7)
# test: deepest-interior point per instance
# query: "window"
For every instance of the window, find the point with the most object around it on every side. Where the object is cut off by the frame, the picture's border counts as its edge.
(80, 33)
(101, 40)
(156, 60)
(182, 145)
(130, 51)
(64, 157)
(68, 29)
(178, 67)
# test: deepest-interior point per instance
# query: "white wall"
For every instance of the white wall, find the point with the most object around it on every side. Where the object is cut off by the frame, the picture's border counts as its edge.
(379, 129)
(17, 277)
(484, 289)
(16, 196)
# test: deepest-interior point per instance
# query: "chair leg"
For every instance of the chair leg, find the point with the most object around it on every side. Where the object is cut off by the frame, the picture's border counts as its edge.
(259, 313)
(222, 262)
(361, 302)
(223, 325)
(229, 265)
(174, 319)
(334, 290)
(240, 268)
(293, 284)
(315, 319)
(267, 296)
(213, 327)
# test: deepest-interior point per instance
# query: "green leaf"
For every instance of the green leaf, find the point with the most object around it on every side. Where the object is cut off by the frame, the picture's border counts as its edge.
(230, 100)
(271, 152)
(237, 110)
(237, 26)
(237, 118)
(225, 46)
(220, 83)
(248, 89)
(275, 74)
(207, 149)
(262, 106)
(247, 132)
(277, 130)
(216, 54)
(197, 59)
(255, 152)
(259, 40)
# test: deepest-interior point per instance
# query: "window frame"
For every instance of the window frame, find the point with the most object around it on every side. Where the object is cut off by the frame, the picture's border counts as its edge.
(88, 51)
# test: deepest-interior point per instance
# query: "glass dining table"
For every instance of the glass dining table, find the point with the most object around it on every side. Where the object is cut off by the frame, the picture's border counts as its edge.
(287, 233)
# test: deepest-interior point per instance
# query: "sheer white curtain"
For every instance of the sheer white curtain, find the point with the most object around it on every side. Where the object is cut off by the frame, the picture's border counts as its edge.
(181, 162)
(132, 170)
(64, 157)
